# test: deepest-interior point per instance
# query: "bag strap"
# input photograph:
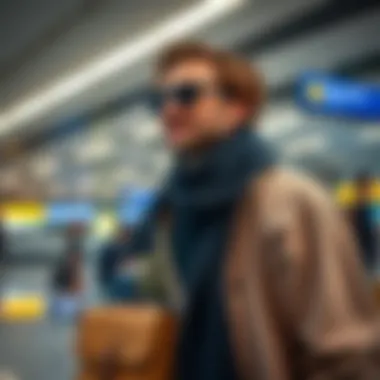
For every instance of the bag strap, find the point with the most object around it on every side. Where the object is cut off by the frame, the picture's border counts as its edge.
(164, 264)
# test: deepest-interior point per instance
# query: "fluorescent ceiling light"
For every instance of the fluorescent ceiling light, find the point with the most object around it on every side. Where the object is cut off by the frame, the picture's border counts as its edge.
(148, 131)
(279, 122)
(97, 149)
(117, 60)
(370, 134)
(306, 146)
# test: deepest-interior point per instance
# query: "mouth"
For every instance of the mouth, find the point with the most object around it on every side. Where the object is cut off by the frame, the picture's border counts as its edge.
(175, 130)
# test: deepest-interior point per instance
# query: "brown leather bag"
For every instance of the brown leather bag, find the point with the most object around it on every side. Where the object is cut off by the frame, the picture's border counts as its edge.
(135, 342)
(126, 343)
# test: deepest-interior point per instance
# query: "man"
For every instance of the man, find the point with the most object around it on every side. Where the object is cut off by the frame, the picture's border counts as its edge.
(68, 274)
(363, 221)
(270, 275)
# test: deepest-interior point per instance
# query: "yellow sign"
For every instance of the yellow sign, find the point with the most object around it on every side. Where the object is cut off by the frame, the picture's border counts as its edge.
(23, 308)
(346, 193)
(375, 191)
(23, 212)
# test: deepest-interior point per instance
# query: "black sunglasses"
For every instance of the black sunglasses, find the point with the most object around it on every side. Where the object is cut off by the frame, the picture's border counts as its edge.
(183, 95)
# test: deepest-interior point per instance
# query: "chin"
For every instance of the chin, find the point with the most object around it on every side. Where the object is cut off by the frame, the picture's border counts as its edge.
(179, 146)
(179, 142)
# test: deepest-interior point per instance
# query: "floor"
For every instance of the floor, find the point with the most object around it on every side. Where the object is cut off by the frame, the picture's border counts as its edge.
(37, 351)
(42, 350)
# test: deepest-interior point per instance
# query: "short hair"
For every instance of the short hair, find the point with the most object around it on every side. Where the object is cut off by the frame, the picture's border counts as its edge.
(236, 75)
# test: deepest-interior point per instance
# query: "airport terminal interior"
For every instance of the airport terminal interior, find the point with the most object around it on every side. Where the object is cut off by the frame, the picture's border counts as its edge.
(80, 147)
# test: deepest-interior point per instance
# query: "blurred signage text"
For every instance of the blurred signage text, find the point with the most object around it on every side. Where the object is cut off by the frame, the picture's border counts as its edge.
(70, 212)
(335, 96)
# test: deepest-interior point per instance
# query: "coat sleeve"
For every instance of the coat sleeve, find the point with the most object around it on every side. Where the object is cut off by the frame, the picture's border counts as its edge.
(322, 295)
(143, 236)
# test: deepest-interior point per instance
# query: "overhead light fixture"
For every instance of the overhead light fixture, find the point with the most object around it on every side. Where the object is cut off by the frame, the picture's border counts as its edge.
(97, 149)
(117, 60)
(305, 146)
(279, 122)
(148, 131)
(370, 134)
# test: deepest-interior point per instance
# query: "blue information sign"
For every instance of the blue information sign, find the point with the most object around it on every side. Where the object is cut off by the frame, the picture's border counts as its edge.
(70, 212)
(135, 204)
(335, 96)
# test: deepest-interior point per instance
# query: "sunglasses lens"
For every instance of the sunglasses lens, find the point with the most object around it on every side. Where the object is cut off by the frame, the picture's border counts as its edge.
(187, 95)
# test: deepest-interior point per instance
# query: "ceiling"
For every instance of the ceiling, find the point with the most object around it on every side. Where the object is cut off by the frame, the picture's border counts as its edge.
(71, 47)
(111, 140)
(52, 40)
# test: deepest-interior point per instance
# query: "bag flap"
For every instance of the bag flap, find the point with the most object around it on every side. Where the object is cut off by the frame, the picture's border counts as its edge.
(130, 334)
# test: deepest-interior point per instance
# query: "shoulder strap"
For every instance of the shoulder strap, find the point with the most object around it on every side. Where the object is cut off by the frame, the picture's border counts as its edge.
(164, 264)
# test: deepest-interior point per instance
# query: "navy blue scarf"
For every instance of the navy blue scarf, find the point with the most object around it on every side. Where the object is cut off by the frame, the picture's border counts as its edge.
(202, 194)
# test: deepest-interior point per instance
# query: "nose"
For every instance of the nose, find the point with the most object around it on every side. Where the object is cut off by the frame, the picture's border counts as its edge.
(170, 108)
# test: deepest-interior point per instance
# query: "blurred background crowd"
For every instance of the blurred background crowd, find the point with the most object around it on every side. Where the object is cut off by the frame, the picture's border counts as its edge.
(81, 156)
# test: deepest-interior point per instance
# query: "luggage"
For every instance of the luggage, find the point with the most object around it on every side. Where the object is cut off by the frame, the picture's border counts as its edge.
(135, 342)
(126, 343)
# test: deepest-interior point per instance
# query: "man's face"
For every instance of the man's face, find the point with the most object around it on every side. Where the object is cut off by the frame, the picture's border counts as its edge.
(193, 108)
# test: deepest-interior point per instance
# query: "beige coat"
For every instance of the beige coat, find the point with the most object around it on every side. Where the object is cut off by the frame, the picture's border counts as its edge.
(299, 304)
